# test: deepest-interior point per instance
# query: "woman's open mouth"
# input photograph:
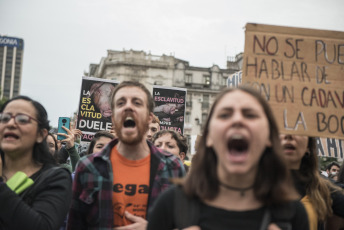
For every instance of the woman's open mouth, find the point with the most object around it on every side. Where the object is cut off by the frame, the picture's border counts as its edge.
(237, 148)
(288, 148)
(237, 144)
(9, 136)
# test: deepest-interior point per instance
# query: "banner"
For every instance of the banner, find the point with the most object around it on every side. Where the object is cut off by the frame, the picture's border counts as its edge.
(235, 79)
(330, 147)
(170, 107)
(12, 42)
(95, 112)
(301, 73)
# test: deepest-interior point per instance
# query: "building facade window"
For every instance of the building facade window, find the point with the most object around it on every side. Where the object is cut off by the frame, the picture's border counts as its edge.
(187, 117)
(189, 100)
(188, 141)
(223, 81)
(204, 118)
(205, 101)
(206, 79)
(188, 78)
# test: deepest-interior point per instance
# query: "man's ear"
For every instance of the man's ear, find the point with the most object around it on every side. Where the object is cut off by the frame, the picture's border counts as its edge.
(41, 135)
(182, 156)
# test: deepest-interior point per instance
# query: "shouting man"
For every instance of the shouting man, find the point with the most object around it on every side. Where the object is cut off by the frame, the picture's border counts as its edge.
(115, 188)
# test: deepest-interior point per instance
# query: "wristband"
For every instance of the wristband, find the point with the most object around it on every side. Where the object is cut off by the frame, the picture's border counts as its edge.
(19, 182)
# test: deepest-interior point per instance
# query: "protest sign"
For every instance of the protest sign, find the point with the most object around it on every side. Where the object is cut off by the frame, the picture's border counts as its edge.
(301, 73)
(170, 107)
(95, 112)
(234, 79)
(330, 147)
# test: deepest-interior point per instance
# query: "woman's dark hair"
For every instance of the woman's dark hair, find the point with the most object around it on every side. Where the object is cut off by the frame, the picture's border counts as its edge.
(317, 188)
(55, 141)
(180, 139)
(341, 174)
(96, 137)
(40, 154)
(55, 155)
(272, 183)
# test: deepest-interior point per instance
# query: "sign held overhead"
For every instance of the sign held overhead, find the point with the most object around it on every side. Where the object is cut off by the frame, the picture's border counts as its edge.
(301, 73)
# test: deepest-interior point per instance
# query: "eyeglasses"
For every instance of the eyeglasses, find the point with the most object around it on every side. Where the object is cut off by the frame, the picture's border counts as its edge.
(19, 119)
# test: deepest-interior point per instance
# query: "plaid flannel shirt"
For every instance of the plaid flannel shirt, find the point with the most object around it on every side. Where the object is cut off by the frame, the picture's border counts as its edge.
(91, 206)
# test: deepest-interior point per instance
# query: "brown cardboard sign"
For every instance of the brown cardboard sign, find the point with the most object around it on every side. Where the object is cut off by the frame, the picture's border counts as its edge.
(301, 73)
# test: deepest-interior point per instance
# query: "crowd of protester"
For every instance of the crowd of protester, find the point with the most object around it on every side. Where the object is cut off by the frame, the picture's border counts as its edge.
(244, 175)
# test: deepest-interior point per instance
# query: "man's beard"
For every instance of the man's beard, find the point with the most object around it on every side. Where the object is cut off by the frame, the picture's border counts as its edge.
(131, 140)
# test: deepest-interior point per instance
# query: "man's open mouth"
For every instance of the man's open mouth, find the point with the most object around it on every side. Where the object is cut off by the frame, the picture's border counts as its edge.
(129, 123)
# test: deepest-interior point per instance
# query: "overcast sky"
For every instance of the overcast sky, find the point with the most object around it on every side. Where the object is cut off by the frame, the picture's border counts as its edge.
(63, 37)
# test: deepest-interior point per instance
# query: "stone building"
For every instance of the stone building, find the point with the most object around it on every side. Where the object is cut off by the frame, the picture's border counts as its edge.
(202, 83)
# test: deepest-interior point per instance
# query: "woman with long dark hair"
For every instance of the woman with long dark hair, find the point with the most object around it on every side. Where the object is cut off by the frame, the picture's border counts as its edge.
(238, 179)
(320, 196)
(34, 194)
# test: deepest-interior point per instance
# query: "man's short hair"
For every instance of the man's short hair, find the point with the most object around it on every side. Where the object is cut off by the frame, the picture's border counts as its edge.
(330, 165)
(150, 102)
(155, 119)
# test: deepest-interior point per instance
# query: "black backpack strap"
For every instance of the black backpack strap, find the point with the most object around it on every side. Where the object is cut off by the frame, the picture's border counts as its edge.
(186, 211)
(282, 215)
(266, 219)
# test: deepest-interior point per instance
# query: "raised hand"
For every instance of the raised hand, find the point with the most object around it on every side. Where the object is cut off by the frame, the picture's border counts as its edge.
(69, 137)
